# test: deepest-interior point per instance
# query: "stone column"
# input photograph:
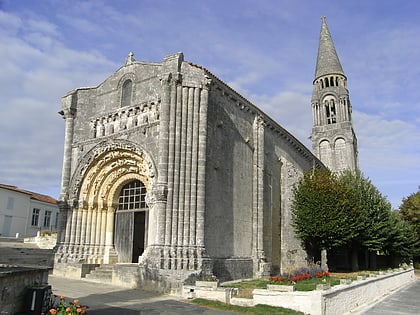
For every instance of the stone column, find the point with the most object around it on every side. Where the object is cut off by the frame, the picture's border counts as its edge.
(110, 256)
(62, 222)
(194, 168)
(68, 111)
(171, 166)
(201, 167)
(162, 180)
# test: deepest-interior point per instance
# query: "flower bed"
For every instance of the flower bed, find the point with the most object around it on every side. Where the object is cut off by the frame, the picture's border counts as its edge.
(68, 308)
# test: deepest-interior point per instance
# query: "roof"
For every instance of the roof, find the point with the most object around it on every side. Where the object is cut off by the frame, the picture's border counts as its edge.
(327, 61)
(32, 195)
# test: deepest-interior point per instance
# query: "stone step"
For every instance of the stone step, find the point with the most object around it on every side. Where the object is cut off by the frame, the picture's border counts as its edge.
(101, 274)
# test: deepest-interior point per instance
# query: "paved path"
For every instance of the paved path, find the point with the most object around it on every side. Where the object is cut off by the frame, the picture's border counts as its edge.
(405, 301)
(107, 299)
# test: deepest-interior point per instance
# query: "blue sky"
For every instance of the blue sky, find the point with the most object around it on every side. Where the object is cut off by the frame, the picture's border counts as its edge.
(264, 49)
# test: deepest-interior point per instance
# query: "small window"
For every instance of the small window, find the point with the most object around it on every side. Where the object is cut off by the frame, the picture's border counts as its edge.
(35, 217)
(10, 203)
(127, 89)
(47, 219)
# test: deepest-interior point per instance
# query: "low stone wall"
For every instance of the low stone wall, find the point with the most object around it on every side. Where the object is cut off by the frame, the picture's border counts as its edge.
(43, 242)
(345, 298)
(14, 283)
(340, 299)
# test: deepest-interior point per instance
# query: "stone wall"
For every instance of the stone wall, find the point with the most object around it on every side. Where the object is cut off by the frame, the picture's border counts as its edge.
(345, 298)
(14, 283)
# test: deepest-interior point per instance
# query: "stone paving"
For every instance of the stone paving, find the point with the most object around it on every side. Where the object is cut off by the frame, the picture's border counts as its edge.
(405, 301)
(107, 299)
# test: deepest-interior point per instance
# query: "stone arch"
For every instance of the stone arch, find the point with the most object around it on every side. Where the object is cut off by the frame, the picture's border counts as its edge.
(325, 153)
(340, 145)
(108, 172)
(110, 162)
(122, 89)
(94, 197)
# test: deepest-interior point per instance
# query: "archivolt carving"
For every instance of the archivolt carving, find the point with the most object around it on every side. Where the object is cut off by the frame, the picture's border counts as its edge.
(106, 169)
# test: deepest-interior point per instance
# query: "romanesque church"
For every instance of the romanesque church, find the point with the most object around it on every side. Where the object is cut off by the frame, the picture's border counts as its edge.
(169, 175)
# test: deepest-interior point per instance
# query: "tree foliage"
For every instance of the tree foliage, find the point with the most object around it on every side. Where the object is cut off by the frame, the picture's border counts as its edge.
(332, 211)
(410, 211)
(321, 215)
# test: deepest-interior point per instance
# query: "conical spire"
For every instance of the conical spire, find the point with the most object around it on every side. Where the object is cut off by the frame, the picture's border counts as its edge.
(327, 61)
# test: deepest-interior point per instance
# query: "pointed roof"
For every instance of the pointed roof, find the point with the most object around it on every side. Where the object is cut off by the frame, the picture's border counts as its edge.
(327, 61)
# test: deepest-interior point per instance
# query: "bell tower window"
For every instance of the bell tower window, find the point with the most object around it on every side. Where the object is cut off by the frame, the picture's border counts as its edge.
(126, 92)
(330, 111)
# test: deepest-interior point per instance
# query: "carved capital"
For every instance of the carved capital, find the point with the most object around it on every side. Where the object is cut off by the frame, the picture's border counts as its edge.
(160, 192)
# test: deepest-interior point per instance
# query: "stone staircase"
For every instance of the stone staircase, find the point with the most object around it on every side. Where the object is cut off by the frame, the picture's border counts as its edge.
(15, 252)
(101, 274)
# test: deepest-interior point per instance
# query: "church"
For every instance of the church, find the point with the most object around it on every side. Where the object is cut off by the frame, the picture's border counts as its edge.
(169, 175)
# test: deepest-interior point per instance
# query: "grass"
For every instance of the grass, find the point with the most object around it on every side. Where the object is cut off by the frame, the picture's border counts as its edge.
(246, 287)
(259, 309)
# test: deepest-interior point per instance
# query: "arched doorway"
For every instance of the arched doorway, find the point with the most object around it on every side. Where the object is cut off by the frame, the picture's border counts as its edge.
(131, 222)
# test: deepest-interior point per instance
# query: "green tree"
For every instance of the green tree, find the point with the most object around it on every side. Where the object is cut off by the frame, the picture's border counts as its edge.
(403, 243)
(322, 216)
(373, 213)
(410, 211)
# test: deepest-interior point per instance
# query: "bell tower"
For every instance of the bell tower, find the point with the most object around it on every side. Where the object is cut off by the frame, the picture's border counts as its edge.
(333, 139)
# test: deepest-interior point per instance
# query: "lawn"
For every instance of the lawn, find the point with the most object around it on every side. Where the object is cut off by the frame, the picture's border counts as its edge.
(254, 310)
(246, 287)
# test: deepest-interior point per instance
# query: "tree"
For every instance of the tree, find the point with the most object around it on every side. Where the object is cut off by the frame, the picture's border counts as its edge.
(322, 215)
(410, 211)
(347, 211)
(402, 242)
(373, 211)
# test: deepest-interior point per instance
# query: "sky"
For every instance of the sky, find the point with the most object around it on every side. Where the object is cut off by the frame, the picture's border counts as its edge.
(266, 50)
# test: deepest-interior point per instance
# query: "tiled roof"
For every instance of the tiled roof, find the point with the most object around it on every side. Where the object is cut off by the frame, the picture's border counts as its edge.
(33, 195)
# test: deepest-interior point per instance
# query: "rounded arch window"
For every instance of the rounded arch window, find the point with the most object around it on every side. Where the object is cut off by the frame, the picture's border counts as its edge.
(126, 92)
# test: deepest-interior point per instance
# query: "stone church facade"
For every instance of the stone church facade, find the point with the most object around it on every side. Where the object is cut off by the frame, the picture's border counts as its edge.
(169, 175)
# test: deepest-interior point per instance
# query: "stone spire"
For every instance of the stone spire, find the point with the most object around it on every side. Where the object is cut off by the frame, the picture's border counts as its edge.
(333, 138)
(327, 61)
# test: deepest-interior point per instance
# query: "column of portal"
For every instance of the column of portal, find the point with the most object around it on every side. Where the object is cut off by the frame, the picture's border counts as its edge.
(78, 229)
(102, 232)
(98, 231)
(194, 166)
(181, 207)
(72, 230)
(201, 170)
(109, 236)
(187, 194)
(88, 229)
(83, 224)
(177, 152)
(92, 234)
(171, 165)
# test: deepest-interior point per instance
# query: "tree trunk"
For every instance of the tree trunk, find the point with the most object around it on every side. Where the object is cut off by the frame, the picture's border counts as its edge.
(354, 260)
(372, 261)
(324, 260)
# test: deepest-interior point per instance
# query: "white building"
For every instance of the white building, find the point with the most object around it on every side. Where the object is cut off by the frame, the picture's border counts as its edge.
(23, 213)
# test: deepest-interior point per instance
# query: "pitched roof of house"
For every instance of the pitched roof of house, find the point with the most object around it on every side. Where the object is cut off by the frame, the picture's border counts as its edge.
(33, 195)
